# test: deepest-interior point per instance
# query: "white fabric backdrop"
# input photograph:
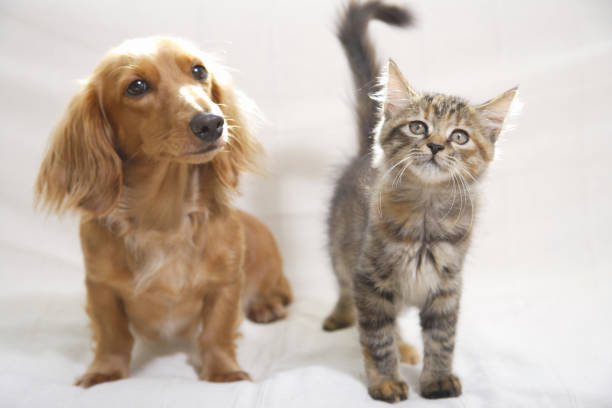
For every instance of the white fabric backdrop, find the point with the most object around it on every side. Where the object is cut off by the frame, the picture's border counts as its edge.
(535, 328)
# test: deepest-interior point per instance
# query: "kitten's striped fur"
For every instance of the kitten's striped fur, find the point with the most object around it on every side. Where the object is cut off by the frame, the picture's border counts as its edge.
(402, 213)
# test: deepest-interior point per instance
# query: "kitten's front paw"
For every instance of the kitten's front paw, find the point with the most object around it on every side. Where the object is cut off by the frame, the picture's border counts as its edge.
(445, 387)
(389, 391)
(92, 378)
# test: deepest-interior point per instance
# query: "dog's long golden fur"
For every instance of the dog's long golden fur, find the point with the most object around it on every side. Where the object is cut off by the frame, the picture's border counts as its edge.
(165, 253)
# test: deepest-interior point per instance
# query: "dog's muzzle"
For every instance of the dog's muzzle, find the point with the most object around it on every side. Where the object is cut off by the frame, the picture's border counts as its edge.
(207, 126)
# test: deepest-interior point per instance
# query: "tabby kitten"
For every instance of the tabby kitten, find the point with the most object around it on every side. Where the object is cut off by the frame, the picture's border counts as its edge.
(402, 213)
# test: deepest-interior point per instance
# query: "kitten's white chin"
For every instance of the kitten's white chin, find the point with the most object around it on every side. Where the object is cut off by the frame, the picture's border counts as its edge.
(431, 172)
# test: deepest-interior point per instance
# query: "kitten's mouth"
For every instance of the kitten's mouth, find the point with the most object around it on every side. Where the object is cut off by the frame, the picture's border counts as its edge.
(433, 162)
(435, 165)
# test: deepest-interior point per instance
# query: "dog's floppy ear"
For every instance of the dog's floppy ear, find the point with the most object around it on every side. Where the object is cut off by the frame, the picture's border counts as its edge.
(81, 169)
(242, 148)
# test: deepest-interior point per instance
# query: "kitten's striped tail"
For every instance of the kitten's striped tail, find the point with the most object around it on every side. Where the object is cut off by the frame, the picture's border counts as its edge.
(362, 57)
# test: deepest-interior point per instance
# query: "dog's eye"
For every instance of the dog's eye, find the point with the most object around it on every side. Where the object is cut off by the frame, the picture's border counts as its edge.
(459, 136)
(417, 127)
(199, 72)
(137, 88)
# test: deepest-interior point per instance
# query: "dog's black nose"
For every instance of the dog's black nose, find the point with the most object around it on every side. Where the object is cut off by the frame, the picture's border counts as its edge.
(207, 126)
(434, 147)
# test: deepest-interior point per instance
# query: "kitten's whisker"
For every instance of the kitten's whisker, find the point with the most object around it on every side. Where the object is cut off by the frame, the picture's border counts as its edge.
(453, 202)
(463, 168)
(462, 192)
(395, 165)
(401, 174)
(469, 195)
(380, 190)
(398, 178)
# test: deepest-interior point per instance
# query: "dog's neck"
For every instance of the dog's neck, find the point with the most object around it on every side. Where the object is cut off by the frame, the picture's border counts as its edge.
(160, 195)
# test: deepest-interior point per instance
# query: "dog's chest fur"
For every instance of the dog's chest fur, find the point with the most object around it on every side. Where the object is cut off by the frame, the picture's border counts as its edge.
(167, 275)
(165, 258)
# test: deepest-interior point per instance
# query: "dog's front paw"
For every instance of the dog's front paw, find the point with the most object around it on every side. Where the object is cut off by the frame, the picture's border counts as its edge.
(230, 377)
(267, 309)
(445, 387)
(389, 391)
(92, 378)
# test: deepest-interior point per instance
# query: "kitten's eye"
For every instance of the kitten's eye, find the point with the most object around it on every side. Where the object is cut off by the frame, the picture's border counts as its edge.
(199, 72)
(137, 88)
(417, 127)
(459, 136)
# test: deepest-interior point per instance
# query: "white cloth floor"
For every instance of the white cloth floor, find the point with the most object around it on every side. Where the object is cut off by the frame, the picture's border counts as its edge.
(535, 327)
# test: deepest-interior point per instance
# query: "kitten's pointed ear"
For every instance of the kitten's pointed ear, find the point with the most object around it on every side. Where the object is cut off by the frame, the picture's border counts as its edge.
(398, 92)
(496, 111)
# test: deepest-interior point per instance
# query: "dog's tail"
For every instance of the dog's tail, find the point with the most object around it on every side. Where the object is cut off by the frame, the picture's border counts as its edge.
(352, 33)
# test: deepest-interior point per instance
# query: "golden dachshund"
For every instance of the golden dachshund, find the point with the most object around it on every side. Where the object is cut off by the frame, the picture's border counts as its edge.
(150, 152)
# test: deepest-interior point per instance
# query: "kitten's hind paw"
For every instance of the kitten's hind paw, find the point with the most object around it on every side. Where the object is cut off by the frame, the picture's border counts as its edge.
(336, 322)
(389, 391)
(408, 354)
(445, 387)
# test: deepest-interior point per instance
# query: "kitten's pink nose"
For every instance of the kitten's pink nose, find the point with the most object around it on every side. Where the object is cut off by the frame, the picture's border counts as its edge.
(434, 147)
